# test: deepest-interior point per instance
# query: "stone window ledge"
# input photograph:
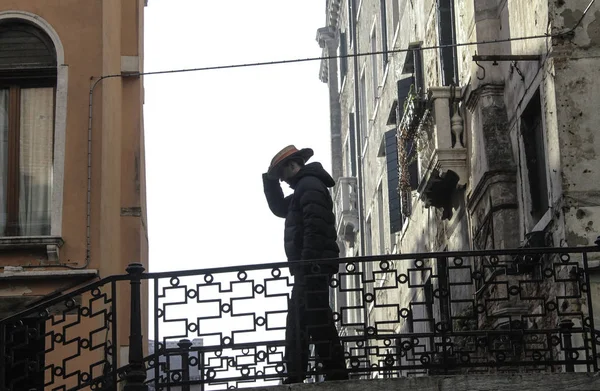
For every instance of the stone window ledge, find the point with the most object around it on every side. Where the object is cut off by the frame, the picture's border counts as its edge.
(20, 273)
(50, 243)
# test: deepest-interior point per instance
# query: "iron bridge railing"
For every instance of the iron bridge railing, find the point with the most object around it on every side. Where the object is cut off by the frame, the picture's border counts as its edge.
(521, 310)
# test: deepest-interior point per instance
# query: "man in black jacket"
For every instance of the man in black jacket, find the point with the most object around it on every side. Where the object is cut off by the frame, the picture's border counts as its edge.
(309, 234)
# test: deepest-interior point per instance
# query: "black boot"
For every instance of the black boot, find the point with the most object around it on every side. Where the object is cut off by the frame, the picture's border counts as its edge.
(292, 380)
(337, 375)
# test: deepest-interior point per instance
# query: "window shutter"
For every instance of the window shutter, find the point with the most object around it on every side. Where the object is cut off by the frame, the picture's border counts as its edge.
(413, 169)
(24, 47)
(403, 86)
(418, 71)
(391, 156)
(352, 130)
(447, 36)
(351, 21)
(343, 58)
(384, 37)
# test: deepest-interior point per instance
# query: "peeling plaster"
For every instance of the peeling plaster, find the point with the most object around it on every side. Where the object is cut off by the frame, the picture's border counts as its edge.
(576, 240)
(15, 291)
(571, 17)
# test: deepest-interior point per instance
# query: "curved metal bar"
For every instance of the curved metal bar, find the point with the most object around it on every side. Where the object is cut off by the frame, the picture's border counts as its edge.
(482, 68)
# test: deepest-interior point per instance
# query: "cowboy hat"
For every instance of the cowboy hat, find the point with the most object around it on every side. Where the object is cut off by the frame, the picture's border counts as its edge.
(285, 155)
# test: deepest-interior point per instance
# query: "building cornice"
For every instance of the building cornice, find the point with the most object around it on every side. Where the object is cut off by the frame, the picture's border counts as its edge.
(473, 96)
(327, 36)
(327, 39)
(488, 179)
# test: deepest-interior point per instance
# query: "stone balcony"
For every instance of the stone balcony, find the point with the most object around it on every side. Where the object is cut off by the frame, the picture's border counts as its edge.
(443, 159)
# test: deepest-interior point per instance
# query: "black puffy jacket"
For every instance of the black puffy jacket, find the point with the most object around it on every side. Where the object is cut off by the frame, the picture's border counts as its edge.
(309, 220)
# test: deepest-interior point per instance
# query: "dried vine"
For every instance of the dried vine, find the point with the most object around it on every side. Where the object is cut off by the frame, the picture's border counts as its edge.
(408, 131)
(412, 127)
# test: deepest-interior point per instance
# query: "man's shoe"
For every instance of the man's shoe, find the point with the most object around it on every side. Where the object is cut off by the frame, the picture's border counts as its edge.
(292, 380)
(337, 376)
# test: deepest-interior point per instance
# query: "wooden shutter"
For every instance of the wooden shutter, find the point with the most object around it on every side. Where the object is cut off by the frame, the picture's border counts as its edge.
(403, 86)
(343, 58)
(384, 34)
(352, 130)
(447, 36)
(24, 47)
(391, 157)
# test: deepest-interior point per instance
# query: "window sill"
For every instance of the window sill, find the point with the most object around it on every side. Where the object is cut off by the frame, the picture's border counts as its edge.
(544, 222)
(342, 86)
(384, 79)
(21, 274)
(50, 243)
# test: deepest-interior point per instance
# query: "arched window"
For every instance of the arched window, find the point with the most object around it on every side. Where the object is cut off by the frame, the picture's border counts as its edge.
(27, 105)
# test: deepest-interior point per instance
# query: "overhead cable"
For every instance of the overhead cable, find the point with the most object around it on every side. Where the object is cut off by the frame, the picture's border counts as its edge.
(562, 34)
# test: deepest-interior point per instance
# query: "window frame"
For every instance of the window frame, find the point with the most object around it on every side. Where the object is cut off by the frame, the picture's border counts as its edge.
(446, 20)
(536, 160)
(14, 87)
(381, 218)
(384, 32)
(373, 44)
(396, 17)
(61, 71)
(343, 60)
(15, 79)
(363, 110)
(393, 178)
(351, 23)
(351, 144)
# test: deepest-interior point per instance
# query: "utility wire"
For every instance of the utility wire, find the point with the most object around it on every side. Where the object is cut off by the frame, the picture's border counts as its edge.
(351, 55)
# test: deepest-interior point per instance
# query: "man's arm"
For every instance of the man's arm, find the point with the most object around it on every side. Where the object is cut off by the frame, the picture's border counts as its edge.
(277, 203)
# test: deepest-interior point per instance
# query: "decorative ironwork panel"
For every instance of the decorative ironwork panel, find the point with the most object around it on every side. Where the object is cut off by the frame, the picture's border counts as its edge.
(62, 345)
(525, 310)
(239, 318)
(491, 311)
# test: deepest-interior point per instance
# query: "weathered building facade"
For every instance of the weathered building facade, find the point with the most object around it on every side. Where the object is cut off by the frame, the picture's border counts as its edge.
(462, 125)
(73, 174)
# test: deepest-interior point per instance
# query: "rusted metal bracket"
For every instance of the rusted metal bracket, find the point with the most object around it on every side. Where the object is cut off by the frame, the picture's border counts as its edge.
(514, 67)
(513, 58)
(506, 57)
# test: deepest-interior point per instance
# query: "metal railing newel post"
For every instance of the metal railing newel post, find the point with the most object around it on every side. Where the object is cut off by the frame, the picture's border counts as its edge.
(136, 375)
(185, 345)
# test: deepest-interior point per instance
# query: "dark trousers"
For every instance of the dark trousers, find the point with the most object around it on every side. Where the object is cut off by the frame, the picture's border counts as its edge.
(310, 318)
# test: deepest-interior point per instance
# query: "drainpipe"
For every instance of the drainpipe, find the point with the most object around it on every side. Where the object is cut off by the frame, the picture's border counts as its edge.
(358, 131)
(88, 224)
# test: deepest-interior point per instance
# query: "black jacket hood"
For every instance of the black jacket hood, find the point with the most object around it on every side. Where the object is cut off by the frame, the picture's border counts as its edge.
(313, 169)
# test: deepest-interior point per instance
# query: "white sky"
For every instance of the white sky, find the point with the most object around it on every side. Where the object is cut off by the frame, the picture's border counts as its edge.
(210, 135)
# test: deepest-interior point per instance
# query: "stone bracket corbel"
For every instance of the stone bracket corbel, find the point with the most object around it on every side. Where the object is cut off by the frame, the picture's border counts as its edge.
(327, 39)
(454, 159)
(52, 250)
